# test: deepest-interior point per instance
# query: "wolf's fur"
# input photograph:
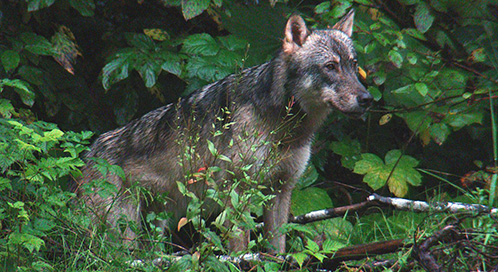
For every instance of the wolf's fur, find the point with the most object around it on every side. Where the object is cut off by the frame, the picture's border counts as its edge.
(281, 103)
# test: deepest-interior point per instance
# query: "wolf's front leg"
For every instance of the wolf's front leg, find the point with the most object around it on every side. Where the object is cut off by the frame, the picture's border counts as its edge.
(276, 214)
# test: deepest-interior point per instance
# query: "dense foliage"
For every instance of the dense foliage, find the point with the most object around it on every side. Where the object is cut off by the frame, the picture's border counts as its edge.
(71, 69)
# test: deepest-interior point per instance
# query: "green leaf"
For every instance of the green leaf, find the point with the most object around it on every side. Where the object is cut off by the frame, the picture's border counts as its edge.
(149, 72)
(381, 38)
(421, 88)
(373, 167)
(30, 242)
(404, 173)
(171, 63)
(300, 257)
(377, 171)
(423, 18)
(460, 120)
(404, 90)
(212, 148)
(37, 44)
(22, 88)
(6, 108)
(397, 186)
(414, 33)
(200, 44)
(5, 184)
(350, 150)
(117, 69)
(192, 8)
(417, 121)
(34, 5)
(140, 41)
(439, 132)
(368, 163)
(379, 77)
(310, 199)
(232, 43)
(322, 7)
(309, 176)
(412, 58)
(84, 7)
(43, 224)
(10, 60)
(395, 58)
(340, 9)
(203, 69)
(375, 92)
(329, 246)
(409, 2)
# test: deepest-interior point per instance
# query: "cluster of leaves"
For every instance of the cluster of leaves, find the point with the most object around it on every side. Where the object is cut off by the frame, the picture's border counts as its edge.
(422, 72)
(37, 162)
(202, 59)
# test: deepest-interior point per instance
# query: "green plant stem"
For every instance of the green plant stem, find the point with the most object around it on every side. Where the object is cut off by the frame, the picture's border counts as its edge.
(492, 187)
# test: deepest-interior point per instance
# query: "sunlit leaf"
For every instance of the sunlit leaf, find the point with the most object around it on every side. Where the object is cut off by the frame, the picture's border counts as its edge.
(395, 58)
(421, 88)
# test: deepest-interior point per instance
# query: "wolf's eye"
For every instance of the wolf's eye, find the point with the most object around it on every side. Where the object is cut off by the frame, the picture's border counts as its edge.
(331, 66)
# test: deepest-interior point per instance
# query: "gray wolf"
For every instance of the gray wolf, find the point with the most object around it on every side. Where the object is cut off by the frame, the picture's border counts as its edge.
(267, 114)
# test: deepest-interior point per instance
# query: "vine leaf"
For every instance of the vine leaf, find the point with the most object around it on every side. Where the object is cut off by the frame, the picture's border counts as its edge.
(399, 168)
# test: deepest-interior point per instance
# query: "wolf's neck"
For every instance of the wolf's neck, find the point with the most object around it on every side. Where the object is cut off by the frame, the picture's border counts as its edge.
(268, 89)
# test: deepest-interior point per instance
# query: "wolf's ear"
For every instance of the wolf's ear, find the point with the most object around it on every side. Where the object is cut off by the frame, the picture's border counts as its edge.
(346, 23)
(296, 33)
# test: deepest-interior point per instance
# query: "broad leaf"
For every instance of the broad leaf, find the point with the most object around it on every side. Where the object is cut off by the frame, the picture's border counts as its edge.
(200, 44)
(22, 88)
(10, 59)
(309, 199)
(192, 8)
(397, 167)
(439, 132)
(84, 7)
(395, 58)
(350, 150)
(423, 18)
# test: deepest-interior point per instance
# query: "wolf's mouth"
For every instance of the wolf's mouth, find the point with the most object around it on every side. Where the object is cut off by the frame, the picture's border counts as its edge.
(357, 113)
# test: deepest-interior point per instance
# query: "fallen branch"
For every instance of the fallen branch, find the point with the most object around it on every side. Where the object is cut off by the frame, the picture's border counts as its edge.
(358, 252)
(422, 206)
(329, 213)
(422, 252)
(361, 251)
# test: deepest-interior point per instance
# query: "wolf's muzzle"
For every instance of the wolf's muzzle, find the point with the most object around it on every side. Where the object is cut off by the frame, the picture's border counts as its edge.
(364, 99)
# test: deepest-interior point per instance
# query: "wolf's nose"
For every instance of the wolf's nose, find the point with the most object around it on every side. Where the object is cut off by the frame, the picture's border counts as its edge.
(364, 99)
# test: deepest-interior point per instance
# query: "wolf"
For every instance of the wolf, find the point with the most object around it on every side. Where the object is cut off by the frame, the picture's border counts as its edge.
(267, 115)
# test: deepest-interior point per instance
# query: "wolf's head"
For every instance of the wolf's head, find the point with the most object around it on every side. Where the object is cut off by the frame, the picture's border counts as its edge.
(324, 68)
